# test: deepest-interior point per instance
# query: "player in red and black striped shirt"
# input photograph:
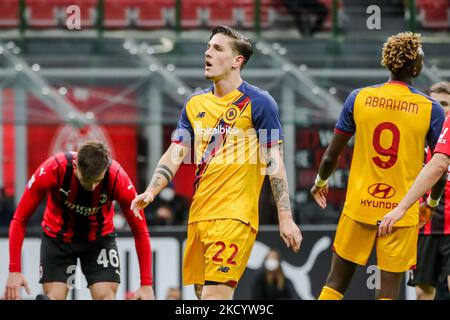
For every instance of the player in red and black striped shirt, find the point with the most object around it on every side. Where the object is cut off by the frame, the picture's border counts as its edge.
(434, 243)
(433, 261)
(78, 223)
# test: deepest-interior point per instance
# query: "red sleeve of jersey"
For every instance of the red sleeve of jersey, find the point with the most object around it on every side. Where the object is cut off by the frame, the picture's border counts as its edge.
(124, 194)
(39, 184)
(443, 145)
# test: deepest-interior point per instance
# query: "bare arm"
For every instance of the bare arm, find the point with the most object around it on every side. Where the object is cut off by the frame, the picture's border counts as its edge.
(276, 171)
(166, 169)
(439, 187)
(331, 155)
(428, 177)
(327, 165)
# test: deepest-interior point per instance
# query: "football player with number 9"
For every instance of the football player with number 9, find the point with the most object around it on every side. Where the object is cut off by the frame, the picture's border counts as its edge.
(391, 123)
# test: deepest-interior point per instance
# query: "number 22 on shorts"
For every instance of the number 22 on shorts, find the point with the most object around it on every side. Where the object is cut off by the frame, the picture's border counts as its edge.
(230, 260)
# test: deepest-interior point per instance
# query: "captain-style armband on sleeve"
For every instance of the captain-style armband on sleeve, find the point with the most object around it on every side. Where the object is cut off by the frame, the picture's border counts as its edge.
(319, 182)
(432, 203)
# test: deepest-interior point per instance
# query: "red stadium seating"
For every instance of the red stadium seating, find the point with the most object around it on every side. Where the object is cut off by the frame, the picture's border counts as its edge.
(434, 13)
(194, 13)
(155, 13)
(223, 12)
(9, 13)
(43, 13)
(116, 13)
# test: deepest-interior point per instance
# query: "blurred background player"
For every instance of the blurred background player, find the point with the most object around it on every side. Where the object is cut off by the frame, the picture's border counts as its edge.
(433, 253)
(272, 283)
(391, 122)
(223, 217)
(78, 223)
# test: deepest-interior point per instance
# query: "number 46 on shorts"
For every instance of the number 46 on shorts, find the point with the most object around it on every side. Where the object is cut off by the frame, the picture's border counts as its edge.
(108, 257)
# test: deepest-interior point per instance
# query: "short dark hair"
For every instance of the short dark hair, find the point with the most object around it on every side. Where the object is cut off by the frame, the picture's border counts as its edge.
(440, 87)
(240, 43)
(93, 158)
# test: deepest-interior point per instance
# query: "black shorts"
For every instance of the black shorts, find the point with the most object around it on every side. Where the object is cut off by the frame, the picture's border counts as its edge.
(433, 260)
(99, 260)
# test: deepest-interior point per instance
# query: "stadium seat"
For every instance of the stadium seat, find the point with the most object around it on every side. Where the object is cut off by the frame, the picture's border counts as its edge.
(154, 14)
(43, 13)
(194, 13)
(117, 13)
(9, 13)
(223, 12)
(434, 14)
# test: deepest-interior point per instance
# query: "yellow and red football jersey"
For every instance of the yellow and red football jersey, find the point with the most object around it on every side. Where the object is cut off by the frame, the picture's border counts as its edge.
(226, 134)
(392, 123)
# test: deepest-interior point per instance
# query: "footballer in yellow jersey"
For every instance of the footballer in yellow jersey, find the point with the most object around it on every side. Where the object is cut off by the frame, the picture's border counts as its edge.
(227, 132)
(392, 123)
(235, 135)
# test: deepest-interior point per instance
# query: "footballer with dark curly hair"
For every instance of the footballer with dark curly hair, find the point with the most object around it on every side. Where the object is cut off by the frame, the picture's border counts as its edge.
(392, 122)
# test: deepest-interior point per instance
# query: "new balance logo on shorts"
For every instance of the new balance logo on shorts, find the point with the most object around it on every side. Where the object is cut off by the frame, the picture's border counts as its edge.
(223, 269)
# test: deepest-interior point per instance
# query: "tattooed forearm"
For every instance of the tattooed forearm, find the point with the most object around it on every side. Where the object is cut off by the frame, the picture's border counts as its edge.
(271, 165)
(163, 175)
(280, 193)
(164, 171)
(155, 184)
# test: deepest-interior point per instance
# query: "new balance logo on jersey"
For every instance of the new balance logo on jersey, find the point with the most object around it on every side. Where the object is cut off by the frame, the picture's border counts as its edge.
(201, 114)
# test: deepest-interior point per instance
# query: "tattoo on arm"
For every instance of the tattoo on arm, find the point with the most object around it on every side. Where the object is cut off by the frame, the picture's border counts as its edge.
(271, 165)
(272, 162)
(164, 171)
(280, 193)
(155, 182)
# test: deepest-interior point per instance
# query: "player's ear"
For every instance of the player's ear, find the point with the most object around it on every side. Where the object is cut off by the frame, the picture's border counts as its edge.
(238, 61)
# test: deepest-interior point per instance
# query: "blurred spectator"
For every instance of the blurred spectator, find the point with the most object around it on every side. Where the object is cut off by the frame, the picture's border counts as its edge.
(174, 208)
(173, 294)
(271, 283)
(162, 216)
(309, 15)
(6, 208)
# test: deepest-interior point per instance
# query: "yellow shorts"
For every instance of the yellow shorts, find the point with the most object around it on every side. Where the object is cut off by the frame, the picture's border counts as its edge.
(217, 251)
(396, 252)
